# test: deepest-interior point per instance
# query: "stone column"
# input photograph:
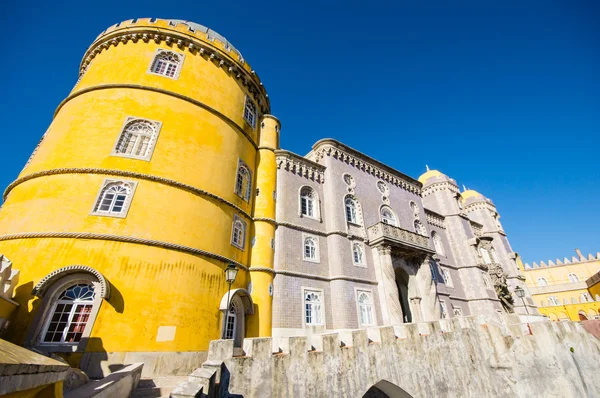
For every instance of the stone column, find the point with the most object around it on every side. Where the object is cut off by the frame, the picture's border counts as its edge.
(388, 290)
(416, 309)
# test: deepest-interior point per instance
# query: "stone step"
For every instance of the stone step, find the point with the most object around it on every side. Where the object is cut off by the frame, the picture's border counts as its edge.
(157, 387)
(152, 392)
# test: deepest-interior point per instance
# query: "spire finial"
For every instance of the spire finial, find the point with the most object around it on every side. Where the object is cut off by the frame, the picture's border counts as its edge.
(427, 167)
(464, 188)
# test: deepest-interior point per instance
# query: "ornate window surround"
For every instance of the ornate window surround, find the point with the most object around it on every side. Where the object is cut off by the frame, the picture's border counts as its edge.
(237, 220)
(250, 113)
(396, 222)
(316, 203)
(130, 120)
(357, 293)
(245, 192)
(357, 208)
(361, 246)
(315, 240)
(304, 290)
(154, 59)
(132, 185)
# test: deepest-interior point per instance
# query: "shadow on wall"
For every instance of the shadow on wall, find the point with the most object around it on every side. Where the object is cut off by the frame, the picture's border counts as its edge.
(224, 386)
(116, 299)
(385, 389)
(23, 316)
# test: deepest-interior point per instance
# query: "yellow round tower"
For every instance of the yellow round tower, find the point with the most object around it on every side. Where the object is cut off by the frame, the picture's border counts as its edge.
(141, 192)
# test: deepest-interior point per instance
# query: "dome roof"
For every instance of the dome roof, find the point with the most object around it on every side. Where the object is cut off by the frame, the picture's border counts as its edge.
(471, 194)
(430, 174)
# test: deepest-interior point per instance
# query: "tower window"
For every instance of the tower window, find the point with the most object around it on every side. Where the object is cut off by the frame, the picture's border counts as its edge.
(243, 181)
(137, 138)
(542, 282)
(485, 255)
(310, 248)
(308, 202)
(419, 228)
(437, 243)
(447, 277)
(365, 309)
(70, 315)
(388, 217)
(351, 210)
(166, 63)
(313, 311)
(250, 112)
(358, 254)
(114, 198)
(573, 278)
(238, 232)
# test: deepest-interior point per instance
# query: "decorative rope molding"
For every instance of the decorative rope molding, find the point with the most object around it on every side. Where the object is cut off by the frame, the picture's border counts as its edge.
(122, 173)
(321, 233)
(182, 97)
(266, 148)
(265, 219)
(183, 41)
(124, 239)
(40, 289)
(263, 269)
(325, 278)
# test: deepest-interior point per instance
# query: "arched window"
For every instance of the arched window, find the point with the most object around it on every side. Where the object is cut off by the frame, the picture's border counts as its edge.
(485, 255)
(552, 300)
(437, 243)
(365, 308)
(137, 139)
(357, 254)
(114, 198)
(312, 308)
(311, 249)
(166, 63)
(388, 217)
(415, 208)
(243, 181)
(238, 233)
(542, 282)
(230, 322)
(585, 297)
(308, 202)
(70, 315)
(494, 255)
(250, 112)
(573, 278)
(419, 228)
(351, 211)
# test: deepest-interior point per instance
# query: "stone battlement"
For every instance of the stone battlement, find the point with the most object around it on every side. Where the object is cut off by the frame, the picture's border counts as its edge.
(564, 261)
(466, 356)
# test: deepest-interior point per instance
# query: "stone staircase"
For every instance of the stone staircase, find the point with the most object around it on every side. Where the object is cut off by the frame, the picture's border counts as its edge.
(157, 387)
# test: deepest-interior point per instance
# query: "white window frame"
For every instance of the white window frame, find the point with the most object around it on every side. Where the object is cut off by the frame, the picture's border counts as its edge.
(553, 300)
(573, 278)
(321, 295)
(357, 293)
(444, 314)
(315, 240)
(250, 113)
(386, 220)
(237, 219)
(351, 204)
(485, 255)
(361, 247)
(420, 228)
(447, 277)
(541, 281)
(246, 192)
(315, 202)
(178, 68)
(585, 298)
(437, 243)
(129, 120)
(132, 185)
(229, 333)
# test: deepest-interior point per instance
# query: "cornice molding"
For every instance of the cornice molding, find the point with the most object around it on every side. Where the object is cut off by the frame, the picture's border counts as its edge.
(481, 205)
(365, 163)
(435, 219)
(440, 186)
(298, 165)
(182, 41)
(325, 278)
(128, 174)
(122, 239)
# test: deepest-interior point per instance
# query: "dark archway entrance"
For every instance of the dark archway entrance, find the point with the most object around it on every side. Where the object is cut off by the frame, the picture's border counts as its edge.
(402, 283)
(385, 389)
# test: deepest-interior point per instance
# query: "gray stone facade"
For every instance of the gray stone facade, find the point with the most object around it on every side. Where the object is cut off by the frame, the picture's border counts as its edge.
(404, 276)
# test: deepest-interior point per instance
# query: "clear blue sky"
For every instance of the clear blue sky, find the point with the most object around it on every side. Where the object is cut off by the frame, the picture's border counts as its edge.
(503, 97)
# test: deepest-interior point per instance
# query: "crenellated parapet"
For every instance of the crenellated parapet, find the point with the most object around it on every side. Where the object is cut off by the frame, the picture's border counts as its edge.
(191, 37)
(565, 261)
(435, 219)
(298, 165)
(9, 277)
(478, 354)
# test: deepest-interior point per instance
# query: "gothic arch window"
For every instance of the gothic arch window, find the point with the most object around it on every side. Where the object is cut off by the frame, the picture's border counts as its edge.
(542, 282)
(166, 63)
(250, 112)
(415, 208)
(573, 278)
(388, 216)
(243, 181)
(309, 203)
(313, 309)
(437, 243)
(137, 139)
(234, 307)
(552, 300)
(358, 255)
(419, 228)
(485, 255)
(365, 309)
(238, 232)
(310, 248)
(351, 206)
(114, 198)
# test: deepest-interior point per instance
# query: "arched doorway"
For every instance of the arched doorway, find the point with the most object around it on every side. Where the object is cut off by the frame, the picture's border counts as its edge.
(385, 389)
(582, 316)
(233, 324)
(402, 283)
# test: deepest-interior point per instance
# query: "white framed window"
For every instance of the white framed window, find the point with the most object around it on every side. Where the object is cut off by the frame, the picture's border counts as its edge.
(166, 63)
(358, 254)
(585, 297)
(388, 216)
(419, 228)
(444, 310)
(415, 208)
(238, 232)
(553, 300)
(310, 248)
(137, 138)
(309, 203)
(447, 277)
(485, 255)
(457, 310)
(243, 181)
(250, 112)
(437, 243)
(494, 255)
(230, 322)
(486, 280)
(366, 315)
(573, 278)
(542, 282)
(313, 307)
(114, 198)
(351, 210)
(69, 315)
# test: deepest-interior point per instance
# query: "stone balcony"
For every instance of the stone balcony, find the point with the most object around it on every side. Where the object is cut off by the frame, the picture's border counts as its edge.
(398, 238)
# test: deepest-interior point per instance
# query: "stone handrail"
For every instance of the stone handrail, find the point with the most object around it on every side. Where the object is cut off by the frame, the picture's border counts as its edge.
(382, 231)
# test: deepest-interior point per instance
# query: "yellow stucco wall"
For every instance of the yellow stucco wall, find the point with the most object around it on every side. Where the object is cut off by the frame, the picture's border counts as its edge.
(54, 390)
(202, 137)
